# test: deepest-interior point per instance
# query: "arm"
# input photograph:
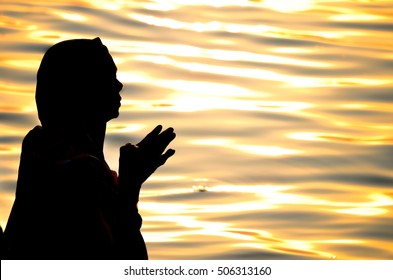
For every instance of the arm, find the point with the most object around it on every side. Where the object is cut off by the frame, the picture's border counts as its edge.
(136, 164)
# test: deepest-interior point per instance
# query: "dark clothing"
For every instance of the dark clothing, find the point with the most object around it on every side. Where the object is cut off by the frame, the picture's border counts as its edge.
(2, 249)
(69, 204)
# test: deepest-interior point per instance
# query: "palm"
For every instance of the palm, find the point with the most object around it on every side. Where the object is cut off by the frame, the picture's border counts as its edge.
(138, 162)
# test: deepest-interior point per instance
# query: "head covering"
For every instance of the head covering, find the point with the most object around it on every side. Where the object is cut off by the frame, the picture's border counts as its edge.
(68, 82)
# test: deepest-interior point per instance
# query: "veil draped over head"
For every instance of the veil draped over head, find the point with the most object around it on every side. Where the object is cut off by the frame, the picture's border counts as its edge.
(66, 92)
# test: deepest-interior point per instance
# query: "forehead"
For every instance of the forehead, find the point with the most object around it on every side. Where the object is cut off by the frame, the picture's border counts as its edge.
(103, 61)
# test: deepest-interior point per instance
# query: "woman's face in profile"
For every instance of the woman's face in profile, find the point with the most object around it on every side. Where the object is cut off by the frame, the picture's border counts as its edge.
(106, 88)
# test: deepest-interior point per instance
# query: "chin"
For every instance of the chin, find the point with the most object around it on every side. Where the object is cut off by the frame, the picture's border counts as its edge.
(113, 115)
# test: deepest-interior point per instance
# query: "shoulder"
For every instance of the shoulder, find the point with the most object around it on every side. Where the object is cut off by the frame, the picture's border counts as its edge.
(88, 174)
(33, 133)
(33, 140)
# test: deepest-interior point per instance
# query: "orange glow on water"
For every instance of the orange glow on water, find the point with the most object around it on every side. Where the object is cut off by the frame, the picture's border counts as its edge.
(282, 109)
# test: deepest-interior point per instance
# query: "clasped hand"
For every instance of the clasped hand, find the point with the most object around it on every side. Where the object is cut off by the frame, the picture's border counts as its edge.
(138, 162)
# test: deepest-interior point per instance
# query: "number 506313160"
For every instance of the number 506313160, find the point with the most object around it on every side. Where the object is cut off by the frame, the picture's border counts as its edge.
(236, 270)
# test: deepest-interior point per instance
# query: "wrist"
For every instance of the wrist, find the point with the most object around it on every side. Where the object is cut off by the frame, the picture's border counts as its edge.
(129, 191)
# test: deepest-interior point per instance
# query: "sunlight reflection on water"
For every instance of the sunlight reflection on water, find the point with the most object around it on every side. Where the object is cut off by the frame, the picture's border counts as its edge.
(283, 111)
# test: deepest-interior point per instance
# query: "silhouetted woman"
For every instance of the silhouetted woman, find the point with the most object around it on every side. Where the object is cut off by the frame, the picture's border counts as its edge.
(69, 204)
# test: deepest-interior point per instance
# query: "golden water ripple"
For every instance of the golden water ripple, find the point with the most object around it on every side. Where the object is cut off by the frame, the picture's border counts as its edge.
(282, 109)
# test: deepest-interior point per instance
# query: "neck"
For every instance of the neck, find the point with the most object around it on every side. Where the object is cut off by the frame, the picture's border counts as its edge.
(90, 139)
(97, 136)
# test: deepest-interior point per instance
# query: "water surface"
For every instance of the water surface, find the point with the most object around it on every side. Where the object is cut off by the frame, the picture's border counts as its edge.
(283, 111)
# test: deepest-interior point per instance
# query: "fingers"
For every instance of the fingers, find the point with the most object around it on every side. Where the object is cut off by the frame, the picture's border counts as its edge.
(168, 154)
(149, 138)
(156, 141)
(163, 158)
(168, 133)
(127, 149)
(163, 140)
